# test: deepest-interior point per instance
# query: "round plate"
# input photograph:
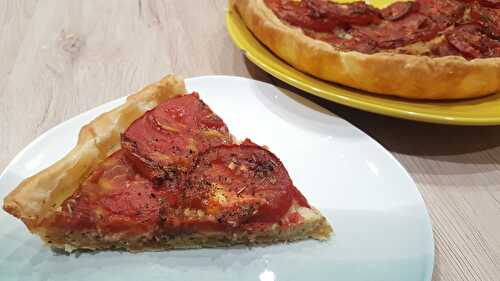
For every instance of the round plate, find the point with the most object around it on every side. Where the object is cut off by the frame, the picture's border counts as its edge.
(382, 230)
(480, 111)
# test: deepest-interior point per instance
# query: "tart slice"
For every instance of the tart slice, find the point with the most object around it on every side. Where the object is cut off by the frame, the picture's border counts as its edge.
(160, 172)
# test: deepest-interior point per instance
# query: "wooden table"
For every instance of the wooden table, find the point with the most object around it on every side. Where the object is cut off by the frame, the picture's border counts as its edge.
(60, 58)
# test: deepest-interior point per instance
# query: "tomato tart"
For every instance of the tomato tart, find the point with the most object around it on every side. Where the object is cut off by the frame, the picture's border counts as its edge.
(162, 171)
(421, 49)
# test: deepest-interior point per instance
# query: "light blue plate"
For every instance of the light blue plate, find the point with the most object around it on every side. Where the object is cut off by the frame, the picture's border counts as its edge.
(382, 228)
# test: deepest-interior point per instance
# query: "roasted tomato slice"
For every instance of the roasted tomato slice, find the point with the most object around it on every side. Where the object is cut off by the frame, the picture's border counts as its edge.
(239, 184)
(490, 3)
(358, 13)
(114, 198)
(410, 29)
(471, 41)
(443, 12)
(299, 14)
(398, 10)
(488, 18)
(163, 143)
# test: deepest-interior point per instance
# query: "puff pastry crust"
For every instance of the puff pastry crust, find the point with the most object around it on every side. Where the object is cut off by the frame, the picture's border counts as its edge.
(408, 76)
(39, 196)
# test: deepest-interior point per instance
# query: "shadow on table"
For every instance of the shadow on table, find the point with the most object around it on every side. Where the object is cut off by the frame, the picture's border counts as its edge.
(432, 141)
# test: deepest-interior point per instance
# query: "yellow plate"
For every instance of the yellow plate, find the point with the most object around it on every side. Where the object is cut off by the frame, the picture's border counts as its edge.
(480, 111)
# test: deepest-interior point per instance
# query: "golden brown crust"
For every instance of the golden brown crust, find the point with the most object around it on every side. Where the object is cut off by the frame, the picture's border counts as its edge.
(40, 195)
(409, 76)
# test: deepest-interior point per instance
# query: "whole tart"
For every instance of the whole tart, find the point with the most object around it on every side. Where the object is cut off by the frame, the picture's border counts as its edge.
(423, 49)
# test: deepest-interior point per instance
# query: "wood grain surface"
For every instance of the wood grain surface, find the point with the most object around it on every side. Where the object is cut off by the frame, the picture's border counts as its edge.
(60, 58)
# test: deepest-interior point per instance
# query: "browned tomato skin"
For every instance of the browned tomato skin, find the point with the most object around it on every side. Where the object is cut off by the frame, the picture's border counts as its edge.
(324, 16)
(398, 10)
(123, 195)
(301, 200)
(117, 199)
(358, 13)
(488, 18)
(490, 3)
(252, 175)
(400, 24)
(301, 15)
(471, 42)
(368, 33)
(165, 141)
(114, 197)
(410, 29)
(467, 39)
(443, 13)
(485, 3)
